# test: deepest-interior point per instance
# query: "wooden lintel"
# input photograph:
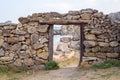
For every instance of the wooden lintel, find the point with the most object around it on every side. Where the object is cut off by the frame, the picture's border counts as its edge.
(65, 22)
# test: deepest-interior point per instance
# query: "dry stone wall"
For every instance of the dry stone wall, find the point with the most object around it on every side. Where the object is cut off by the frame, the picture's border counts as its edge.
(102, 34)
(25, 44)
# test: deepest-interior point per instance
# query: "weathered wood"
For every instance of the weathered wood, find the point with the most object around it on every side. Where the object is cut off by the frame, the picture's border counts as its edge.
(65, 22)
(81, 45)
(50, 43)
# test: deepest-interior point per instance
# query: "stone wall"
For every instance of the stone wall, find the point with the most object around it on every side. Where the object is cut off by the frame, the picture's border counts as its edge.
(102, 34)
(26, 44)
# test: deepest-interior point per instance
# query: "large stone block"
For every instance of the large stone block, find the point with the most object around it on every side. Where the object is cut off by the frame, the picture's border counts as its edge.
(86, 16)
(31, 29)
(103, 44)
(74, 44)
(28, 62)
(90, 37)
(19, 32)
(65, 39)
(43, 40)
(37, 46)
(42, 28)
(43, 55)
(101, 55)
(96, 31)
(2, 52)
(6, 59)
(34, 38)
(12, 40)
(18, 63)
(21, 38)
(117, 49)
(90, 44)
(112, 55)
(89, 54)
(9, 27)
(63, 47)
(106, 49)
(96, 49)
(114, 43)
(15, 47)
(1, 42)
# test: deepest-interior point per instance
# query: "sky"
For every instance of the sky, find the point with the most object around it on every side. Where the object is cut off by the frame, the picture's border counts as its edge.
(13, 9)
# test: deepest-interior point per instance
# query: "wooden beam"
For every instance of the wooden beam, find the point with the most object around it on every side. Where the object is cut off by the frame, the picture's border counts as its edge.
(50, 46)
(65, 22)
(81, 44)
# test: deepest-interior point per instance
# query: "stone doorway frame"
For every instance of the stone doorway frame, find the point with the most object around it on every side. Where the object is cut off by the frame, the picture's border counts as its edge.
(51, 23)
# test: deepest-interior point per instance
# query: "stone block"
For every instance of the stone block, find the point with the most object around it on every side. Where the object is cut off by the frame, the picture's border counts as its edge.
(90, 44)
(42, 28)
(1, 42)
(86, 16)
(28, 62)
(12, 39)
(15, 47)
(31, 29)
(112, 55)
(101, 55)
(103, 44)
(37, 46)
(63, 47)
(96, 49)
(18, 63)
(21, 38)
(74, 44)
(90, 37)
(2, 52)
(9, 27)
(114, 43)
(117, 49)
(89, 54)
(65, 39)
(43, 40)
(96, 31)
(34, 38)
(6, 58)
(43, 55)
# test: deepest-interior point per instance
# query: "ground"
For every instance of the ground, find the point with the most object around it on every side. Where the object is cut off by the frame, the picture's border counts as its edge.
(66, 74)
(68, 71)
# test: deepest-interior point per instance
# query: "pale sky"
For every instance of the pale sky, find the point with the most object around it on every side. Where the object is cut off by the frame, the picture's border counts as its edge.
(13, 9)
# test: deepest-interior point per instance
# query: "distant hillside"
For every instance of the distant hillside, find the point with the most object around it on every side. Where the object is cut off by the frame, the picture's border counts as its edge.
(114, 16)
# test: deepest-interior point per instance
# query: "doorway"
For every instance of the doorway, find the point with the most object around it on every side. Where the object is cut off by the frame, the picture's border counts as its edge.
(66, 45)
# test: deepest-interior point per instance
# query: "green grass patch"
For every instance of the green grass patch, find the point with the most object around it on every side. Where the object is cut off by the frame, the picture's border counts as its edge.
(51, 65)
(106, 64)
(6, 69)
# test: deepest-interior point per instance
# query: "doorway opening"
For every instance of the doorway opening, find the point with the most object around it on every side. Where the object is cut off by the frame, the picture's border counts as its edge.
(66, 45)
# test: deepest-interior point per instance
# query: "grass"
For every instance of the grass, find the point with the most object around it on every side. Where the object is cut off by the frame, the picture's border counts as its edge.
(106, 64)
(107, 75)
(4, 69)
(7, 69)
(51, 65)
(14, 78)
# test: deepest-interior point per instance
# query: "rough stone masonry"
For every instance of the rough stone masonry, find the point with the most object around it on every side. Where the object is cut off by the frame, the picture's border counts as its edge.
(25, 45)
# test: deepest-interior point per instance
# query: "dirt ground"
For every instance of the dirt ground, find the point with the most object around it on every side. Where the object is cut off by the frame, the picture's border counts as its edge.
(70, 73)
